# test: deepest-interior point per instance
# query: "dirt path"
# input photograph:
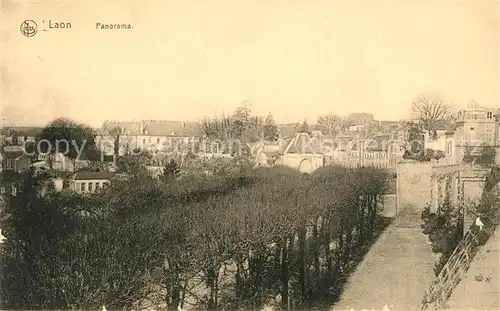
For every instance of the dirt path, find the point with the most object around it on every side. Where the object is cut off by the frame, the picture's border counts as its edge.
(396, 271)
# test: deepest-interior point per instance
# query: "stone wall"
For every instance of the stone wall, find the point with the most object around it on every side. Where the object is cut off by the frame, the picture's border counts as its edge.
(454, 270)
(481, 281)
(305, 163)
(462, 184)
(413, 185)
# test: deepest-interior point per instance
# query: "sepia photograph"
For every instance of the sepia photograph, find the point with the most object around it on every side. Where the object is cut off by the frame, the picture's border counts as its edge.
(261, 155)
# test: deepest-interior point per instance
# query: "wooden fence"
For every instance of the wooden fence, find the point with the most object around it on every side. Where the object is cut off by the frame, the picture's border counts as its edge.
(455, 268)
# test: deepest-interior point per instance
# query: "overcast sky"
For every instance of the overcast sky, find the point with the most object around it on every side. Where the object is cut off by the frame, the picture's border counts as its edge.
(298, 59)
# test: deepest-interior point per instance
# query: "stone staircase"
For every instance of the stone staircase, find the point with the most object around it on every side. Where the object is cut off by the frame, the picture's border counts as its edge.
(454, 270)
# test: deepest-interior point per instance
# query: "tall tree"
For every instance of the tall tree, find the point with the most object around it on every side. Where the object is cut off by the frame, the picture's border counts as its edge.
(430, 109)
(116, 132)
(241, 119)
(303, 128)
(330, 124)
(216, 128)
(270, 131)
(66, 136)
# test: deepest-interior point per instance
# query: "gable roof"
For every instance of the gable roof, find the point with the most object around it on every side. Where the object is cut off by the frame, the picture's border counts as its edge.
(441, 125)
(378, 143)
(92, 175)
(360, 117)
(287, 130)
(128, 128)
(151, 128)
(304, 144)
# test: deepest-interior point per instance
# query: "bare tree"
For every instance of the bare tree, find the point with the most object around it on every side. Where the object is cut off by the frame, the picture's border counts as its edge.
(430, 109)
(330, 124)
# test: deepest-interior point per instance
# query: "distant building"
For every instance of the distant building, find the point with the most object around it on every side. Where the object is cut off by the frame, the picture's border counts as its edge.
(473, 128)
(150, 135)
(361, 118)
(90, 182)
(13, 158)
(288, 130)
(476, 127)
(303, 153)
(18, 135)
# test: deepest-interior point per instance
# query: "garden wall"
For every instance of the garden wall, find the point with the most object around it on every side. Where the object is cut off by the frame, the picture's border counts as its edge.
(413, 185)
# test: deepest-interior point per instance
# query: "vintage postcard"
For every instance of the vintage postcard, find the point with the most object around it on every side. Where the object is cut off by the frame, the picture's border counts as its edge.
(249, 155)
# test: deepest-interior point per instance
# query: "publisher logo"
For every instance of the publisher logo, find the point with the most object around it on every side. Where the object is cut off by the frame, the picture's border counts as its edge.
(29, 28)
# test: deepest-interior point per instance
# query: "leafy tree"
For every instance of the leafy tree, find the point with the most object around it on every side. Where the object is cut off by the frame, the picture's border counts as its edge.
(68, 137)
(303, 128)
(415, 145)
(482, 155)
(445, 229)
(270, 129)
(171, 171)
(133, 164)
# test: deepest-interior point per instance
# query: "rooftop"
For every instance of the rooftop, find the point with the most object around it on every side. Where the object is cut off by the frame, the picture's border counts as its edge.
(92, 175)
(30, 131)
(151, 127)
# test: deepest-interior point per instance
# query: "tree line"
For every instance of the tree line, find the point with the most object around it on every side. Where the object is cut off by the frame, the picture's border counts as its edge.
(229, 240)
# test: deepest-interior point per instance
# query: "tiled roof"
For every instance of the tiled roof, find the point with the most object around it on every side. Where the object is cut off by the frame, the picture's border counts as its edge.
(30, 131)
(92, 175)
(304, 144)
(441, 125)
(287, 130)
(152, 128)
(127, 128)
(170, 128)
(377, 143)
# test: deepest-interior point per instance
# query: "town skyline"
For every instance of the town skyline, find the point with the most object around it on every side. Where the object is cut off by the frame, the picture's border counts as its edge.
(193, 60)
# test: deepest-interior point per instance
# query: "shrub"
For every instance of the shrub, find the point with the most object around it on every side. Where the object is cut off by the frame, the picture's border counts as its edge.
(275, 228)
(444, 229)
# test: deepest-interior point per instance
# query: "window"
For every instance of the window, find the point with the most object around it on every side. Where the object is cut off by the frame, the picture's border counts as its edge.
(157, 140)
(144, 141)
(97, 186)
(449, 147)
(105, 185)
(472, 128)
(489, 115)
(82, 187)
(90, 187)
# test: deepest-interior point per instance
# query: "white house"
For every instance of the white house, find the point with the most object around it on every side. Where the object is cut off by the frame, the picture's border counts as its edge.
(303, 153)
(438, 144)
(90, 182)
